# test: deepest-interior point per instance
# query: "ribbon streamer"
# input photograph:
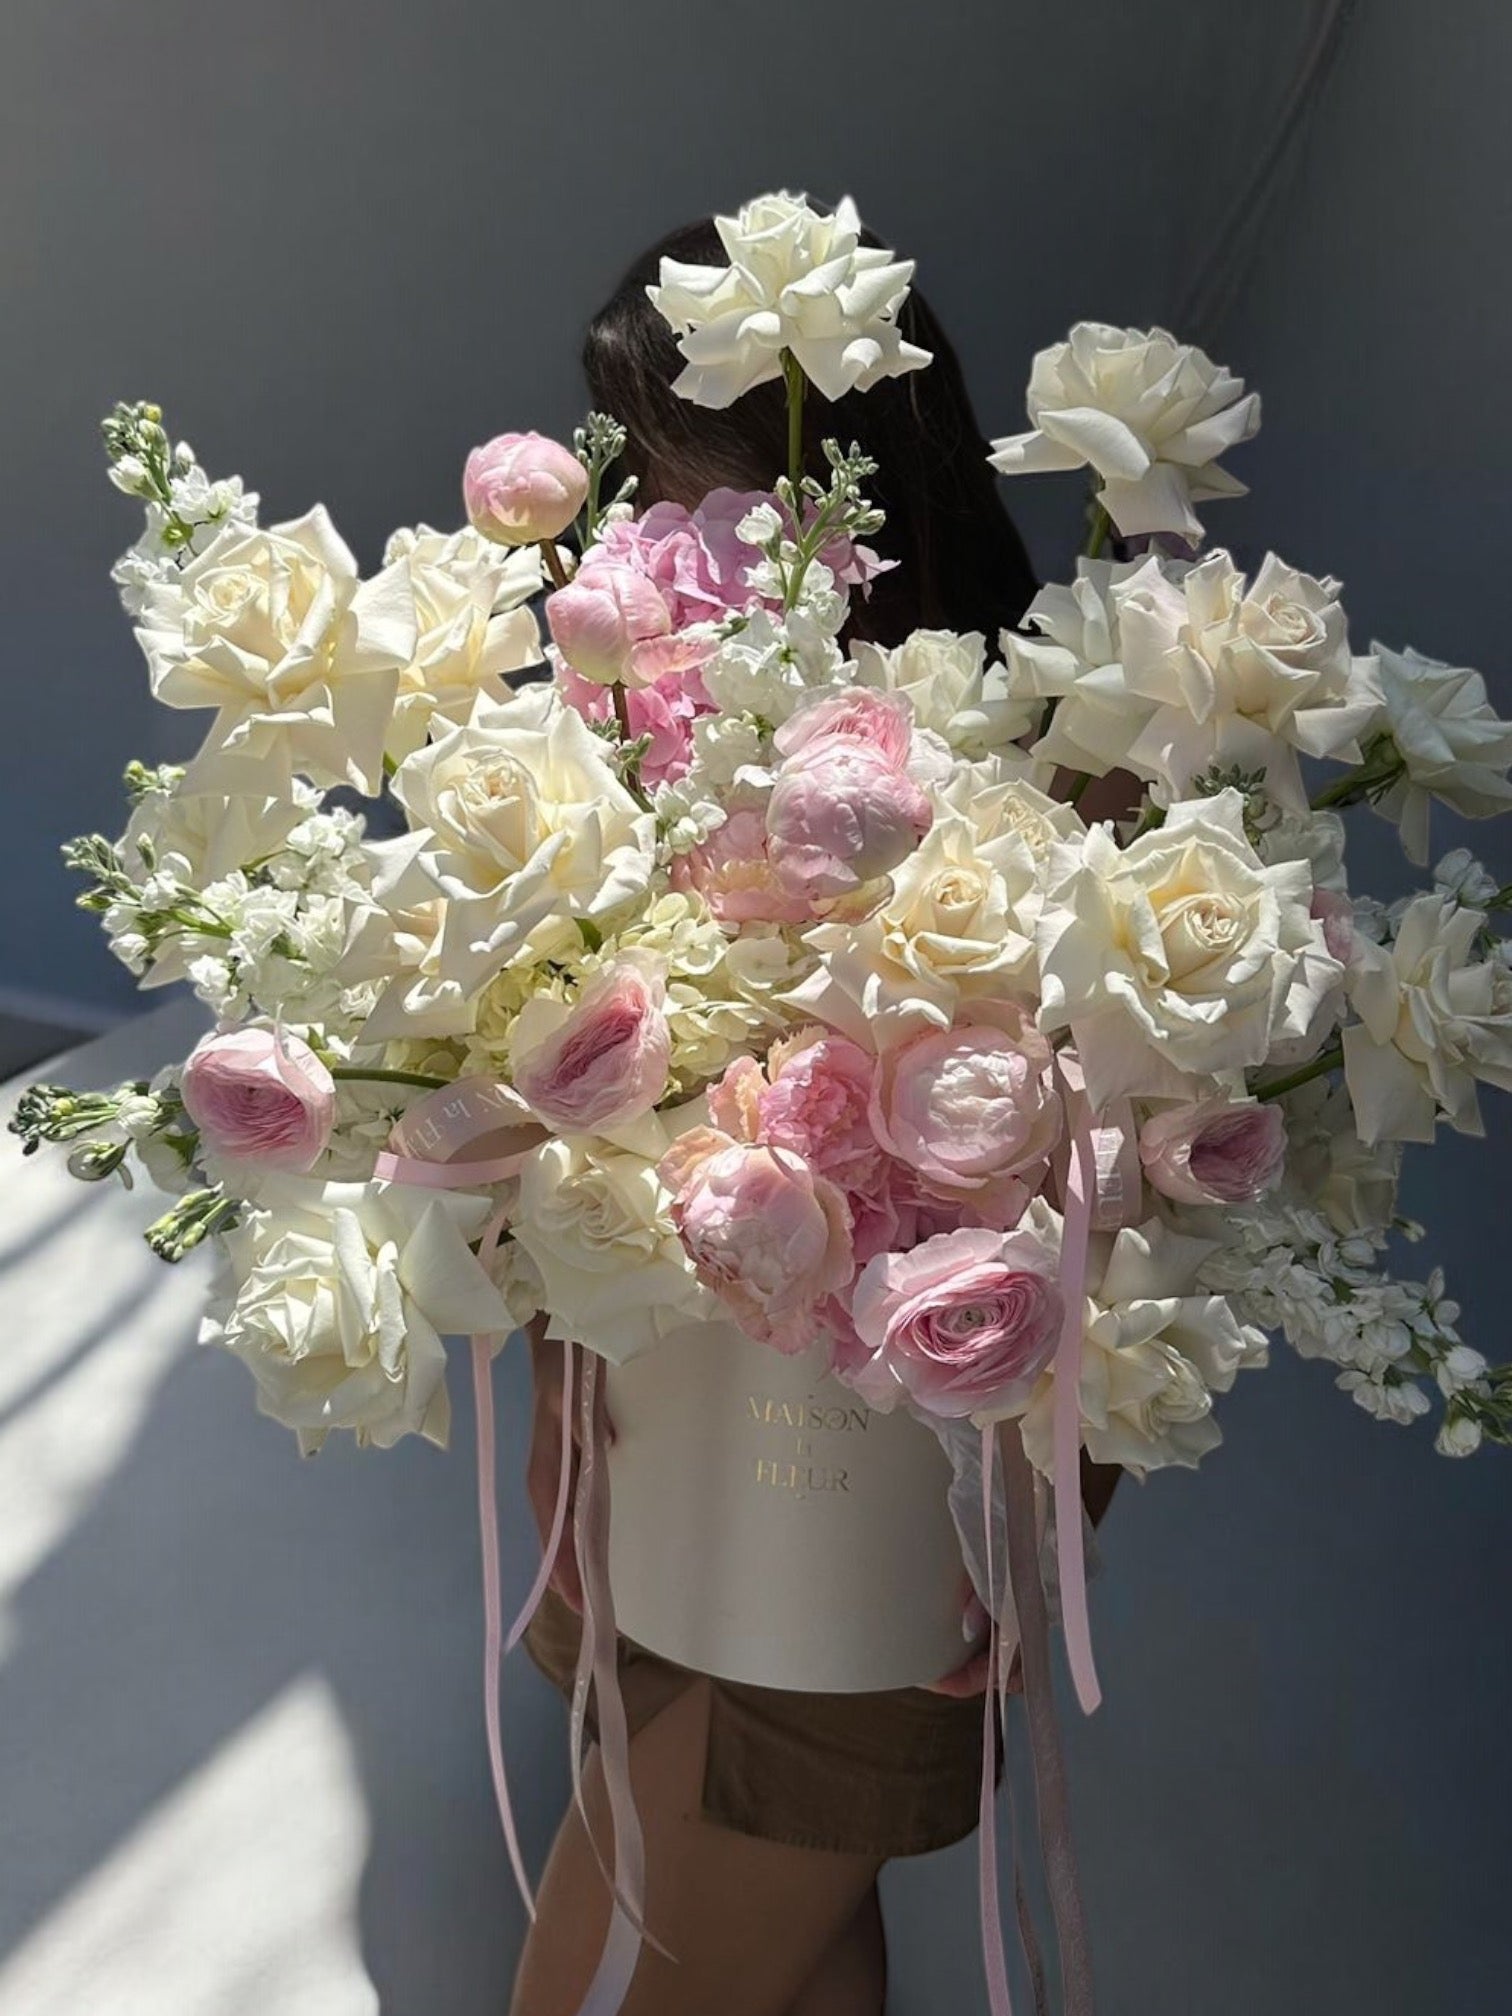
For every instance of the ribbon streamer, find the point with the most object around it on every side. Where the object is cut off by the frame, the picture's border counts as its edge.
(1070, 1554)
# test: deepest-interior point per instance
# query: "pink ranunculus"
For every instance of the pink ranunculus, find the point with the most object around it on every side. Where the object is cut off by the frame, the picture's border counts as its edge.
(767, 1234)
(841, 815)
(817, 1104)
(607, 1062)
(732, 871)
(520, 488)
(602, 616)
(963, 1324)
(260, 1096)
(1219, 1151)
(972, 1111)
(882, 722)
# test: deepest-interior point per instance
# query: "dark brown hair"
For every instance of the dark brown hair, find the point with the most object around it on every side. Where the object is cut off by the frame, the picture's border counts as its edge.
(962, 563)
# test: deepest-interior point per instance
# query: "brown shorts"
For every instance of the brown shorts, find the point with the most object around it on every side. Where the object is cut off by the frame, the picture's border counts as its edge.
(895, 1773)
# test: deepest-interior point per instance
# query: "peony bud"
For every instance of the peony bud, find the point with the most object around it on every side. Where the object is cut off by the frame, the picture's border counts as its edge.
(520, 488)
(599, 621)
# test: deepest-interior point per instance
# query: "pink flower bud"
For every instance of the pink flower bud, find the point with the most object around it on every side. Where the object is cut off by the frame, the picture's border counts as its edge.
(600, 619)
(519, 488)
(607, 1063)
(1220, 1151)
(259, 1097)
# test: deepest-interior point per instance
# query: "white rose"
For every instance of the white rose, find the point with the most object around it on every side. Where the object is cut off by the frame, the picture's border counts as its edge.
(337, 1299)
(961, 919)
(474, 629)
(592, 1220)
(1242, 674)
(1154, 1352)
(1077, 663)
(1435, 1017)
(799, 279)
(1454, 745)
(523, 819)
(1149, 414)
(1182, 954)
(955, 693)
(299, 658)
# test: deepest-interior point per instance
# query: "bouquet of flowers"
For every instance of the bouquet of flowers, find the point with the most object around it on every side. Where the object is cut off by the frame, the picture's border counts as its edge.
(786, 981)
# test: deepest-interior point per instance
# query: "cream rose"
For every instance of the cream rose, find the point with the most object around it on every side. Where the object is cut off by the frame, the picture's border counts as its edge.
(1076, 662)
(301, 660)
(592, 1217)
(524, 819)
(1155, 1350)
(1435, 1018)
(1149, 414)
(953, 691)
(1180, 955)
(1452, 742)
(474, 628)
(337, 1298)
(1243, 674)
(960, 922)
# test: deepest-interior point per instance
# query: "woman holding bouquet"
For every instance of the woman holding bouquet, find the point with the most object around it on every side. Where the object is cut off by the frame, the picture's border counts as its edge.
(768, 1814)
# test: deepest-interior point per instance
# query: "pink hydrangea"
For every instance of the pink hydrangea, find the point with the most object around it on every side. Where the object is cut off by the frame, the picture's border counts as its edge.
(665, 710)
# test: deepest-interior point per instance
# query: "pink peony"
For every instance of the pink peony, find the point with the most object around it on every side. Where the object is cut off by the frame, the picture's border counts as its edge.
(603, 618)
(963, 1324)
(767, 1234)
(882, 722)
(520, 488)
(972, 1111)
(816, 1103)
(839, 816)
(607, 1063)
(258, 1096)
(1219, 1151)
(733, 873)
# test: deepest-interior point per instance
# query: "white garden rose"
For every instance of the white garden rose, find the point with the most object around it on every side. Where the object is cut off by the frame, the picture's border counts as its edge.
(1454, 745)
(1180, 956)
(523, 819)
(592, 1219)
(474, 628)
(1076, 663)
(960, 922)
(299, 657)
(337, 1297)
(397, 942)
(1242, 675)
(955, 694)
(1155, 1350)
(1435, 1019)
(1149, 414)
(800, 280)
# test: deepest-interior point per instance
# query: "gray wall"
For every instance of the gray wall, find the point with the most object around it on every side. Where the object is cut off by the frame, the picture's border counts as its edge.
(342, 242)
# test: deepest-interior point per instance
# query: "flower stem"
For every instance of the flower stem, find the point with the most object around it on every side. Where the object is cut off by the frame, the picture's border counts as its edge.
(553, 561)
(360, 1074)
(792, 372)
(1329, 1060)
(622, 712)
(1098, 526)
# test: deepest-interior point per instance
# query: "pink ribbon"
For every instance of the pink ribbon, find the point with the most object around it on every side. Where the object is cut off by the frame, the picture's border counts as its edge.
(1080, 1202)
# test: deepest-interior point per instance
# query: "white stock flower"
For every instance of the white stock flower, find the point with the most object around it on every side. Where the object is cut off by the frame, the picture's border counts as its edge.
(770, 664)
(960, 922)
(592, 1218)
(954, 692)
(299, 657)
(1076, 662)
(1149, 414)
(159, 555)
(1242, 674)
(1455, 746)
(1155, 1349)
(1435, 1018)
(799, 279)
(474, 629)
(523, 819)
(1182, 954)
(338, 1298)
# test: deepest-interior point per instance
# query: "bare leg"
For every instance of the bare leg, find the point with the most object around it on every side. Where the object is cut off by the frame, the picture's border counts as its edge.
(851, 1977)
(748, 1920)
